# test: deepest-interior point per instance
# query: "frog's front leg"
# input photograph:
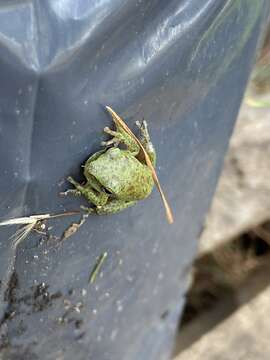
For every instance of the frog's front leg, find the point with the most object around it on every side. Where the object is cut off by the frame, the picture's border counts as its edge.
(124, 138)
(95, 197)
(114, 206)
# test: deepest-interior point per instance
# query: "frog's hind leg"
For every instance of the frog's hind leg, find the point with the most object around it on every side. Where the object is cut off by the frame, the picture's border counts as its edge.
(146, 141)
(95, 197)
(92, 181)
(113, 206)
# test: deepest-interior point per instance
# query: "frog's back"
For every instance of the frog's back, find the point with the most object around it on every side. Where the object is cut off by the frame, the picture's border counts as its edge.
(122, 174)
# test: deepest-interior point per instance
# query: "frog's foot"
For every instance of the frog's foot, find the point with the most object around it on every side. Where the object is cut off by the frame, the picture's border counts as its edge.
(144, 130)
(124, 138)
(117, 137)
(115, 134)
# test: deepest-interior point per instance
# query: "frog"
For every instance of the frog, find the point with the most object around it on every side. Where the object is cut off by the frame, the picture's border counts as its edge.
(116, 176)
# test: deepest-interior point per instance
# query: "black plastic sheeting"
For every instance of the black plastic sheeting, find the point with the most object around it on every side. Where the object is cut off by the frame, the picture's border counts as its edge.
(183, 66)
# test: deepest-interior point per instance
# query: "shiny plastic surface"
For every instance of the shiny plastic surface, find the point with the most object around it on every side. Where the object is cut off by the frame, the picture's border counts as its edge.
(183, 66)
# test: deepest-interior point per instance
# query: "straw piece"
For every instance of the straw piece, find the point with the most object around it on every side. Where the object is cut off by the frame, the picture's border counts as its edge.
(120, 121)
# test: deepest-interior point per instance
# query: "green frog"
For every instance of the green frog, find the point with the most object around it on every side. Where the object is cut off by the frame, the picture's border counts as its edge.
(116, 177)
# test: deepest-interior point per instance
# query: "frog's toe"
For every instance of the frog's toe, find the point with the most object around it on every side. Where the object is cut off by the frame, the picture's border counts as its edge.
(138, 124)
(87, 209)
(108, 143)
(107, 130)
(113, 141)
(145, 125)
(70, 192)
(72, 181)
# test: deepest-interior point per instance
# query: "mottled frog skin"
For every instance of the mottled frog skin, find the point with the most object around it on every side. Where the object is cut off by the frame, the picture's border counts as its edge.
(116, 178)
